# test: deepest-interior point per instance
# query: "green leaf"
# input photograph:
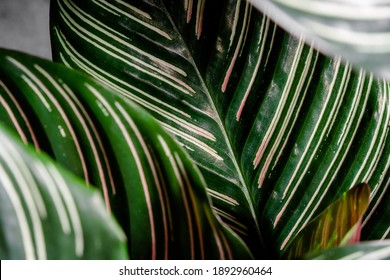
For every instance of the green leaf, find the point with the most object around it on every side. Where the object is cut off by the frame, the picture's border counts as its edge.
(47, 213)
(277, 130)
(339, 224)
(372, 250)
(147, 179)
(376, 222)
(196, 126)
(356, 30)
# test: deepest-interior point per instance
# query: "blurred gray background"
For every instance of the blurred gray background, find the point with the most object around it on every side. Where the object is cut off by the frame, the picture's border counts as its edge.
(24, 26)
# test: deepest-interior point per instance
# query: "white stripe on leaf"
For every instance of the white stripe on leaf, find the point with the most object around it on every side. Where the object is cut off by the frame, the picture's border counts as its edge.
(115, 36)
(135, 130)
(57, 105)
(194, 207)
(336, 161)
(379, 134)
(55, 196)
(287, 199)
(137, 160)
(261, 44)
(179, 179)
(216, 236)
(237, 50)
(110, 7)
(22, 114)
(124, 56)
(9, 188)
(99, 142)
(14, 120)
(225, 198)
(193, 140)
(188, 6)
(25, 182)
(135, 9)
(86, 130)
(199, 18)
(71, 209)
(105, 77)
(236, 18)
(281, 105)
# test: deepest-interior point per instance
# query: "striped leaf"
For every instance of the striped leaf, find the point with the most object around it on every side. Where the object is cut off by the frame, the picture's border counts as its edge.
(146, 178)
(47, 213)
(339, 224)
(358, 30)
(376, 223)
(372, 250)
(278, 130)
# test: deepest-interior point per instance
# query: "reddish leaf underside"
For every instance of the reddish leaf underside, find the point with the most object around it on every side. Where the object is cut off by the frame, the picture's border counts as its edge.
(338, 224)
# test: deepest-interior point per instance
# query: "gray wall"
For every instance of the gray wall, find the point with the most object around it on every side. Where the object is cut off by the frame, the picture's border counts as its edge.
(24, 26)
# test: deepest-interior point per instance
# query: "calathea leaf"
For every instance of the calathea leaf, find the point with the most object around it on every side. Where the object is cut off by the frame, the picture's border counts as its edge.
(186, 110)
(357, 30)
(277, 130)
(148, 181)
(376, 225)
(48, 213)
(339, 224)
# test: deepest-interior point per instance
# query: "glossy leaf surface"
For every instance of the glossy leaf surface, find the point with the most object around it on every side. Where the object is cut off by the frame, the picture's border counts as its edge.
(146, 178)
(277, 130)
(375, 224)
(47, 213)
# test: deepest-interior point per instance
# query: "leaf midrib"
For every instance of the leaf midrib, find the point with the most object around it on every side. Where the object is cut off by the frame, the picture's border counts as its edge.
(218, 119)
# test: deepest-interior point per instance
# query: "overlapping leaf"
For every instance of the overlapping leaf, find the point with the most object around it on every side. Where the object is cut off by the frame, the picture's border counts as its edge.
(358, 30)
(339, 224)
(278, 130)
(147, 179)
(375, 224)
(46, 213)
